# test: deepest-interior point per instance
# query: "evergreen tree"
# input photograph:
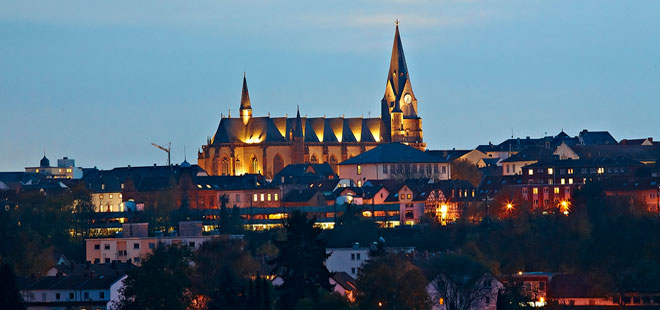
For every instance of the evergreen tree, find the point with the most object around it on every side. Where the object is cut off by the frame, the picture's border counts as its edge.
(10, 297)
(162, 282)
(300, 262)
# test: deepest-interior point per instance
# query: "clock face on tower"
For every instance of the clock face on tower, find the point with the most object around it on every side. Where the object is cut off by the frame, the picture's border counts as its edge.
(407, 98)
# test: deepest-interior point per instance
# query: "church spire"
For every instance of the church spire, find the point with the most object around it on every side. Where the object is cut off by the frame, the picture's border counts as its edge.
(398, 73)
(298, 130)
(246, 108)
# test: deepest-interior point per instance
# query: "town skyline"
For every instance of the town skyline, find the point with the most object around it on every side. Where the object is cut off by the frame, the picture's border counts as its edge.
(105, 102)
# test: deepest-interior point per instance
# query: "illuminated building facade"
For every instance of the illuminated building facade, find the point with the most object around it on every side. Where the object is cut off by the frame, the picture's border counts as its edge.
(265, 144)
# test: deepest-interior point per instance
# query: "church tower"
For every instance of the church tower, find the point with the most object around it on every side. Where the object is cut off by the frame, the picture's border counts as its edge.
(246, 108)
(399, 104)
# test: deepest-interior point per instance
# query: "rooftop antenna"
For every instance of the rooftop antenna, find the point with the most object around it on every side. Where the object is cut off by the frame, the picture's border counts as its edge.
(166, 149)
(185, 158)
(511, 133)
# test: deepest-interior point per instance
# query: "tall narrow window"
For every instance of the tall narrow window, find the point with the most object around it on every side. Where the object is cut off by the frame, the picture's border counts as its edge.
(359, 169)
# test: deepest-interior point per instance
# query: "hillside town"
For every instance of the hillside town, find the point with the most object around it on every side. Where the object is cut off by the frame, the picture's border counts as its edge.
(341, 213)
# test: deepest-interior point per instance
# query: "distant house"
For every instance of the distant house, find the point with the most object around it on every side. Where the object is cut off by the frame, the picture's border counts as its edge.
(348, 260)
(76, 291)
(135, 244)
(483, 294)
(596, 138)
(471, 156)
(344, 285)
(394, 161)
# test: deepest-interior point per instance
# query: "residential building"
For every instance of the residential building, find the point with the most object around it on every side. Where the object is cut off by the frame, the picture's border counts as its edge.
(135, 243)
(394, 161)
(348, 260)
(77, 291)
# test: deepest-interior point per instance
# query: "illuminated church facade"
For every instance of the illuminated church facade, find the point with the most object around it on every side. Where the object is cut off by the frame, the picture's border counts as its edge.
(265, 144)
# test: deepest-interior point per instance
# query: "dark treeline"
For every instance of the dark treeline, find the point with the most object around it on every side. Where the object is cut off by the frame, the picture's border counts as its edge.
(603, 237)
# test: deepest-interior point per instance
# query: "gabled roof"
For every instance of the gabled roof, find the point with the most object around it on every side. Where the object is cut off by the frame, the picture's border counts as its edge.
(344, 280)
(393, 153)
(448, 155)
(304, 173)
(531, 154)
(596, 138)
(72, 282)
(636, 152)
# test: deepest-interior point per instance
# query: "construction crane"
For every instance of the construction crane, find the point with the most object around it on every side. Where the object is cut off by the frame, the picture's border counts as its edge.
(166, 149)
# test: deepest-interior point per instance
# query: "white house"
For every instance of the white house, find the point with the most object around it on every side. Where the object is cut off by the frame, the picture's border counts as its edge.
(348, 260)
(87, 291)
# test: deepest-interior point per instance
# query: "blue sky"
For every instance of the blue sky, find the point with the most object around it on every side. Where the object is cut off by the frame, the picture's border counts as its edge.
(99, 81)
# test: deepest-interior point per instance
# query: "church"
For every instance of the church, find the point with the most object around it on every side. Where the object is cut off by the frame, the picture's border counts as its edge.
(264, 145)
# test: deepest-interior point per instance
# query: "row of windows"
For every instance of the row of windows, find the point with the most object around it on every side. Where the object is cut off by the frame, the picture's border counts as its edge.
(546, 190)
(408, 168)
(58, 296)
(263, 197)
(110, 196)
(569, 171)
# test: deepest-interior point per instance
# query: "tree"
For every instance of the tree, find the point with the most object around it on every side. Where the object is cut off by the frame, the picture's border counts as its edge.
(463, 169)
(222, 262)
(462, 283)
(161, 282)
(327, 301)
(10, 297)
(300, 262)
(391, 282)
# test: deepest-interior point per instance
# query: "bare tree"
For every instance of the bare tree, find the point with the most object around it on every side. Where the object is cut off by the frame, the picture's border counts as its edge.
(463, 284)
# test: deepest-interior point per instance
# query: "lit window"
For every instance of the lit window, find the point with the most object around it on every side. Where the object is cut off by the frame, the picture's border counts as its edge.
(570, 181)
(601, 170)
(563, 181)
(531, 171)
(556, 190)
(359, 183)
(276, 197)
(255, 197)
(570, 171)
(408, 196)
(68, 170)
(550, 171)
(269, 196)
(110, 196)
(359, 169)
(121, 196)
(37, 171)
(535, 191)
(102, 186)
(122, 185)
(262, 197)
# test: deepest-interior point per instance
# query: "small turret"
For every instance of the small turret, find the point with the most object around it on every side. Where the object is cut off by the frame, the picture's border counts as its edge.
(246, 108)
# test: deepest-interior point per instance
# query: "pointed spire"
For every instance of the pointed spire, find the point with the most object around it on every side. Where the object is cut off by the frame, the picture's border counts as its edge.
(246, 108)
(298, 130)
(398, 73)
(245, 96)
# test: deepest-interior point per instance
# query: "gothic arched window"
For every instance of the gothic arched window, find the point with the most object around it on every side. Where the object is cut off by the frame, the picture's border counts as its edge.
(254, 165)
(225, 166)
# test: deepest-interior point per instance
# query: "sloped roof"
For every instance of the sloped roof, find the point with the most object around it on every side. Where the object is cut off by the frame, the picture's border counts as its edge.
(71, 282)
(315, 129)
(344, 280)
(393, 153)
(636, 152)
(531, 154)
(596, 138)
(448, 155)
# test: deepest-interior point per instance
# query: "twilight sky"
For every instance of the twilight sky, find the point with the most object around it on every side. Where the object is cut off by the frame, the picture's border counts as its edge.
(99, 81)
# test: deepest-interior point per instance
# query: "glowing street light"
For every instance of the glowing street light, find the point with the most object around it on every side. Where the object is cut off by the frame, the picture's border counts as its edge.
(443, 214)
